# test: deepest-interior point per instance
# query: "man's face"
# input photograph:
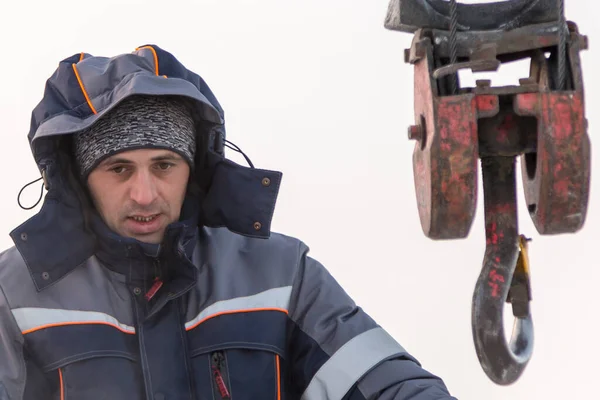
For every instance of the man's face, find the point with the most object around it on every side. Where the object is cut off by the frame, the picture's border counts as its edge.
(139, 192)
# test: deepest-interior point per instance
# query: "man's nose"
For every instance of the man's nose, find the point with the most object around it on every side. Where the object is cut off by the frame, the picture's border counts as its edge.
(143, 188)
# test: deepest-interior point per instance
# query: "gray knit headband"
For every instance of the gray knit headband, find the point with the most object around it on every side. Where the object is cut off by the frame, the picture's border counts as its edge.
(140, 122)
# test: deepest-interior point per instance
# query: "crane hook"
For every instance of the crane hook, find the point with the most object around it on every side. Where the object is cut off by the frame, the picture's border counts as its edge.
(504, 278)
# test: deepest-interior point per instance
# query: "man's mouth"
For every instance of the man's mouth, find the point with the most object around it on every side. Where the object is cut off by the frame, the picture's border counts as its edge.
(139, 218)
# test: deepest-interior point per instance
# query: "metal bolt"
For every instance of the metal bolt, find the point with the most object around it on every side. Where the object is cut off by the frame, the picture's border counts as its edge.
(257, 226)
(585, 45)
(415, 132)
(526, 81)
(266, 181)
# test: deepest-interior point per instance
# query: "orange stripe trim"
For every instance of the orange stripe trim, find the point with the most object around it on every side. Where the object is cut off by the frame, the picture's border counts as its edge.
(155, 57)
(81, 56)
(278, 377)
(62, 387)
(83, 90)
(283, 310)
(76, 323)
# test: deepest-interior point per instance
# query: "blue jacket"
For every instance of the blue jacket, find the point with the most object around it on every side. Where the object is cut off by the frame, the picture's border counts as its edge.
(243, 313)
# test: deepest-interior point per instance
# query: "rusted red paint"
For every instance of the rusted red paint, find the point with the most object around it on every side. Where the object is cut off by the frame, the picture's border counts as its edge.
(493, 234)
(445, 160)
(487, 105)
(495, 282)
(526, 103)
(558, 191)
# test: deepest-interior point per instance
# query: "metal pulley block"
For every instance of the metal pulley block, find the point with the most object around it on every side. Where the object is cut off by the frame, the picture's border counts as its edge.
(540, 121)
(556, 175)
(445, 157)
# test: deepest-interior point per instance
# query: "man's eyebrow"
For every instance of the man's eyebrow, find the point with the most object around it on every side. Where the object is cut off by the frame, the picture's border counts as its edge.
(114, 160)
(120, 160)
(167, 157)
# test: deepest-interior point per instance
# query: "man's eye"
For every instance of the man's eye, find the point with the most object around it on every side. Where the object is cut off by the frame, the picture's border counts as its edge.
(118, 170)
(164, 166)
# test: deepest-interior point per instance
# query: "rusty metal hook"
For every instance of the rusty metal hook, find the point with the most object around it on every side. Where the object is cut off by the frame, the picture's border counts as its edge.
(504, 277)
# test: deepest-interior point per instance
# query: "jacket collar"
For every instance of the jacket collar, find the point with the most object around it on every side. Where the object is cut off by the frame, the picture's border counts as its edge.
(142, 262)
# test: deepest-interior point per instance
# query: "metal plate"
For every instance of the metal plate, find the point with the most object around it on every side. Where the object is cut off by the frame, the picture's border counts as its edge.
(556, 177)
(445, 159)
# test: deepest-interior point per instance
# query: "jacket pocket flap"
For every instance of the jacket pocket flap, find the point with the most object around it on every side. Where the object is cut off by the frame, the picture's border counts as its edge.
(57, 346)
(256, 330)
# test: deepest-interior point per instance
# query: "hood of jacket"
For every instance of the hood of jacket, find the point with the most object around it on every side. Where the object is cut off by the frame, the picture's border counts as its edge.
(81, 90)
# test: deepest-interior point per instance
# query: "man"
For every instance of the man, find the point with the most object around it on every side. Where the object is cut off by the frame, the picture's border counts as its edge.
(151, 273)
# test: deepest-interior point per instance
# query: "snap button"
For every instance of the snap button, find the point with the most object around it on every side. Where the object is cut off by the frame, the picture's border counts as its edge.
(24, 236)
(137, 291)
(257, 226)
(266, 181)
(45, 276)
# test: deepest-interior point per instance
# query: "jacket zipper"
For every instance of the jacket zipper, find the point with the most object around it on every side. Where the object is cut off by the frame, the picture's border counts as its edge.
(157, 282)
(220, 376)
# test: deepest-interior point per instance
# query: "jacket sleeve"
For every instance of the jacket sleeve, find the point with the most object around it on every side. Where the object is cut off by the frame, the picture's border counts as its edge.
(338, 352)
(12, 363)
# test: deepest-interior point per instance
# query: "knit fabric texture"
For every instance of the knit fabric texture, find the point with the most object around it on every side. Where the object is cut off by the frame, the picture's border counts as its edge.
(137, 123)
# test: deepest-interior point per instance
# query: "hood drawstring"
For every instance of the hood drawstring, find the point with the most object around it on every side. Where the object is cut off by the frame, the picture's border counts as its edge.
(235, 147)
(41, 194)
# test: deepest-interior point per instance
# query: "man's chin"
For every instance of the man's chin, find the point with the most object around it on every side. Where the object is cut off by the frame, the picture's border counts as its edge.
(149, 238)
(153, 238)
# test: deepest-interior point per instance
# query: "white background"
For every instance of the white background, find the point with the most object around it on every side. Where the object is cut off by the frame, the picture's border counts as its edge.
(318, 89)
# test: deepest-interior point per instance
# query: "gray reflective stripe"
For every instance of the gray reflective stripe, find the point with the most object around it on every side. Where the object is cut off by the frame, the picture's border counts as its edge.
(31, 319)
(277, 298)
(347, 365)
